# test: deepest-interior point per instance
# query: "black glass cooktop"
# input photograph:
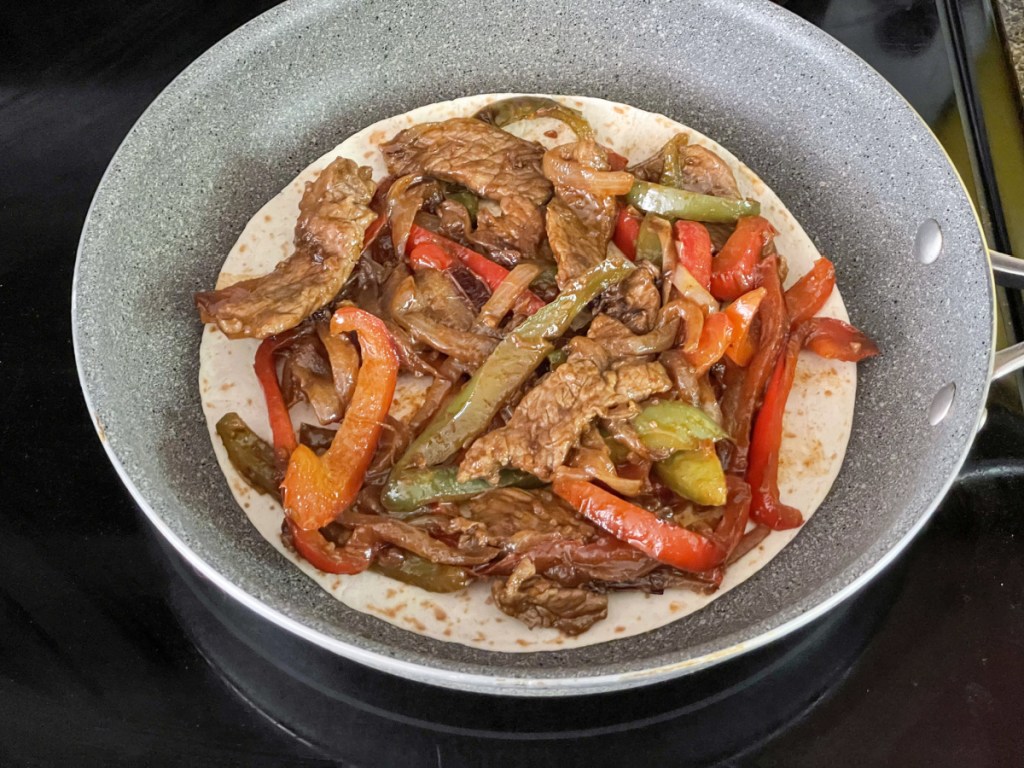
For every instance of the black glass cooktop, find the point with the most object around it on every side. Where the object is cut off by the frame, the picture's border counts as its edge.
(113, 652)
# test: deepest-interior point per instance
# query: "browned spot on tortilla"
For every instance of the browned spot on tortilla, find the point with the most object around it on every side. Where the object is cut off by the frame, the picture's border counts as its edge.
(226, 386)
(620, 629)
(675, 607)
(440, 614)
(243, 248)
(620, 110)
(247, 505)
(241, 489)
(267, 218)
(390, 593)
(248, 401)
(447, 632)
(415, 623)
(828, 393)
(789, 435)
(208, 405)
(499, 620)
(520, 641)
(391, 613)
(552, 134)
(559, 640)
(377, 137)
(479, 637)
(368, 154)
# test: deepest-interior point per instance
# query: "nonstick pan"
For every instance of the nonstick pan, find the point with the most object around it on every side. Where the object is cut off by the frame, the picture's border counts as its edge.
(853, 162)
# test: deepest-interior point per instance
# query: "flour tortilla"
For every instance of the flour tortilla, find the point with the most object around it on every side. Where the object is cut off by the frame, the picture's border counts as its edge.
(817, 423)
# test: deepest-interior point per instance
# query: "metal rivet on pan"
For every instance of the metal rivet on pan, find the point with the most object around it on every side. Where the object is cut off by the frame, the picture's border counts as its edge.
(941, 403)
(928, 243)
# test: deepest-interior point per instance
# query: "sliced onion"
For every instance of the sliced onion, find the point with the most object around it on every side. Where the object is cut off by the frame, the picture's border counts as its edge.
(344, 361)
(567, 172)
(690, 289)
(403, 201)
(692, 318)
(506, 294)
(465, 346)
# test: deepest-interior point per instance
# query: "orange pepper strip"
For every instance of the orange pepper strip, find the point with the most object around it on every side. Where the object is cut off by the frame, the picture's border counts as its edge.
(806, 297)
(316, 489)
(715, 338)
(734, 269)
(741, 314)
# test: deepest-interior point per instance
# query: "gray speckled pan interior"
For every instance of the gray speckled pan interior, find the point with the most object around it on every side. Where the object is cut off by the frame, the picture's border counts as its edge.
(848, 156)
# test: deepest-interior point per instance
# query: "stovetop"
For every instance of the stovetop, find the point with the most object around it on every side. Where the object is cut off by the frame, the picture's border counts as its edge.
(113, 652)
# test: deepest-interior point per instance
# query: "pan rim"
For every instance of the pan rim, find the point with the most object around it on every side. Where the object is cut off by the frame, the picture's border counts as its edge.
(529, 683)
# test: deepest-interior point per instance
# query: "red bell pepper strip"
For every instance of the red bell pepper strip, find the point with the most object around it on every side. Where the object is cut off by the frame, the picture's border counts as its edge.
(745, 386)
(616, 161)
(431, 256)
(733, 270)
(277, 411)
(741, 314)
(325, 555)
(661, 540)
(318, 488)
(492, 274)
(627, 228)
(808, 295)
(715, 338)
(836, 340)
(763, 471)
(824, 335)
(693, 250)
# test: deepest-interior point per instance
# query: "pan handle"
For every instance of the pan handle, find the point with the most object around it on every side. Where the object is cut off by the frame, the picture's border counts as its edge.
(1009, 273)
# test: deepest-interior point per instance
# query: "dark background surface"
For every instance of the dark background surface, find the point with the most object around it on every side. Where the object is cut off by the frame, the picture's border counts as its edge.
(100, 659)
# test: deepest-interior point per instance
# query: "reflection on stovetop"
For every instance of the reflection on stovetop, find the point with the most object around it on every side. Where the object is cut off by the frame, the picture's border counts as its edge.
(888, 648)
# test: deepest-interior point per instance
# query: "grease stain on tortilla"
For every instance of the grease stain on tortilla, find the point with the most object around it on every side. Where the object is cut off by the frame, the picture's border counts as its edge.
(392, 612)
(415, 623)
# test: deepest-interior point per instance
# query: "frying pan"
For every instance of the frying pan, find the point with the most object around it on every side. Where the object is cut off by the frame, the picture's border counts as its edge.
(854, 163)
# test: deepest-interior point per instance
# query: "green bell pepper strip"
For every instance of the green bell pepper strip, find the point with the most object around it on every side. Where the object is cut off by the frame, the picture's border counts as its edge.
(653, 239)
(681, 204)
(422, 573)
(413, 488)
(504, 371)
(516, 108)
(675, 426)
(250, 455)
(466, 198)
(694, 475)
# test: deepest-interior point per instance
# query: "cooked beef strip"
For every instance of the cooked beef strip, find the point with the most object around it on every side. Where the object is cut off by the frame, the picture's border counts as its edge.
(333, 218)
(455, 223)
(579, 223)
(700, 170)
(485, 159)
(538, 602)
(550, 418)
(636, 300)
(704, 172)
(514, 235)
